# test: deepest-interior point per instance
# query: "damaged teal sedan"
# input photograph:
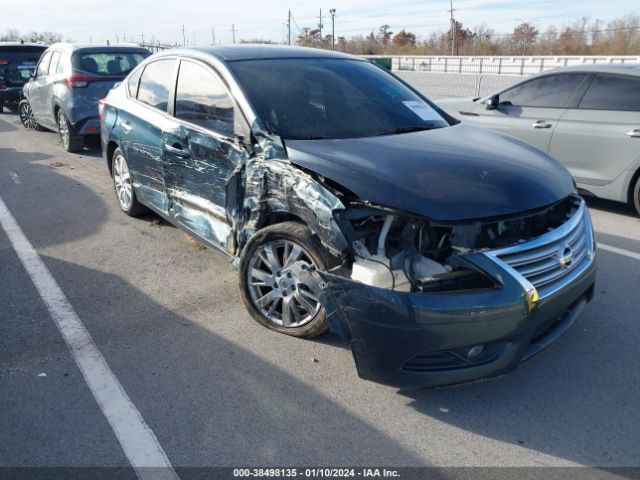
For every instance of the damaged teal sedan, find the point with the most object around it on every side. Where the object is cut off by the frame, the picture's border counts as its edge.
(441, 252)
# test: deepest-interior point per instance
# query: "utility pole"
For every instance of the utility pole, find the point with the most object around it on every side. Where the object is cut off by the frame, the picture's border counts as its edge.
(320, 25)
(289, 27)
(142, 38)
(333, 28)
(233, 32)
(184, 38)
(454, 32)
(213, 36)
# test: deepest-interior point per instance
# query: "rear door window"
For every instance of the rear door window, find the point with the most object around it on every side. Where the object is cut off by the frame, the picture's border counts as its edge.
(551, 91)
(112, 64)
(53, 66)
(201, 99)
(156, 82)
(609, 92)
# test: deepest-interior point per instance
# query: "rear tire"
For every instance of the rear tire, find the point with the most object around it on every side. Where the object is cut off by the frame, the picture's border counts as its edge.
(269, 289)
(636, 195)
(70, 142)
(123, 185)
(1, 108)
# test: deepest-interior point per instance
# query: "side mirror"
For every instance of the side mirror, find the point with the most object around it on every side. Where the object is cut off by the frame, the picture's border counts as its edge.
(493, 102)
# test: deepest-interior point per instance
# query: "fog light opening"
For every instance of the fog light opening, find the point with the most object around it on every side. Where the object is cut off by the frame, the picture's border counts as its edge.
(474, 352)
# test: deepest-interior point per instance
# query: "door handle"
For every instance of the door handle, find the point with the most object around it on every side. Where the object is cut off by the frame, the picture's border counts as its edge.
(127, 127)
(178, 150)
(634, 133)
(541, 124)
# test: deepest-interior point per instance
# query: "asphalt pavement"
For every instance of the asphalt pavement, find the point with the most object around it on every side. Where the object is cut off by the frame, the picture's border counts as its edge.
(217, 389)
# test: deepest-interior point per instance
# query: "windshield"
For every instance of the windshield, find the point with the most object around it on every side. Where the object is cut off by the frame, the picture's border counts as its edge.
(332, 98)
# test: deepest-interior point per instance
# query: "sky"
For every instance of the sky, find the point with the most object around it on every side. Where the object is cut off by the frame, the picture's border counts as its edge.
(83, 21)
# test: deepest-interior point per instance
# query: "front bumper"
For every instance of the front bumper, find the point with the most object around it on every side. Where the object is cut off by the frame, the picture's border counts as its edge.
(431, 339)
(421, 340)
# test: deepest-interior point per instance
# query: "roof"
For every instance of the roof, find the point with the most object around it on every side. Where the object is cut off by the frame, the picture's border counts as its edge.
(624, 68)
(232, 53)
(20, 44)
(97, 46)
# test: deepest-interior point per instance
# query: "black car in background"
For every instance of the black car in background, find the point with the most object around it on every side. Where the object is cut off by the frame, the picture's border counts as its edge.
(17, 63)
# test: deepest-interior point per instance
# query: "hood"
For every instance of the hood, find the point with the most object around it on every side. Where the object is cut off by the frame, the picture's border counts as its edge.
(448, 174)
(455, 105)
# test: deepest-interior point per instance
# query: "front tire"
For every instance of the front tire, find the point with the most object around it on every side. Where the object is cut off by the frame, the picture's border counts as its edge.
(70, 142)
(123, 186)
(274, 297)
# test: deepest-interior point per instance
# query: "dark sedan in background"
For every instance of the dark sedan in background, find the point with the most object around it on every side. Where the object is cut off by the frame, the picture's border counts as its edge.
(17, 64)
(440, 251)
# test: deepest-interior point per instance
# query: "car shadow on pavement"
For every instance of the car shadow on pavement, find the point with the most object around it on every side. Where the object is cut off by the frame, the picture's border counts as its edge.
(53, 189)
(211, 401)
(577, 400)
(611, 206)
(208, 400)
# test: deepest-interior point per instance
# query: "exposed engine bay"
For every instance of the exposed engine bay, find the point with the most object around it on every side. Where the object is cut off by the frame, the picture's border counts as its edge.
(404, 253)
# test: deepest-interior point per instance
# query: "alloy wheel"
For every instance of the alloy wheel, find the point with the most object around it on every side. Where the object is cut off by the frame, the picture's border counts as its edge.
(274, 289)
(63, 128)
(122, 181)
(26, 117)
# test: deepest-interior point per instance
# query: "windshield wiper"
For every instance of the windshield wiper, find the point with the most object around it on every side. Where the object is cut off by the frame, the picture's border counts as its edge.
(305, 137)
(414, 128)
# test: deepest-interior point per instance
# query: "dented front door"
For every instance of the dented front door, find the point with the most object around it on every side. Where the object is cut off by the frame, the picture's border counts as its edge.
(200, 154)
(197, 167)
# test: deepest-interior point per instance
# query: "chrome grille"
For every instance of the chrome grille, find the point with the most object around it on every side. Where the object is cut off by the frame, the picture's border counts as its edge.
(550, 261)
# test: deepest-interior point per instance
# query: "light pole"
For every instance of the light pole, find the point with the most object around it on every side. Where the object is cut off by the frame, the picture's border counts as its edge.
(333, 28)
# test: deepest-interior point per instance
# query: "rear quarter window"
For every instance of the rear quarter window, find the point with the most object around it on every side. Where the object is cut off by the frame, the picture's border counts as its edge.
(609, 92)
(116, 64)
(132, 83)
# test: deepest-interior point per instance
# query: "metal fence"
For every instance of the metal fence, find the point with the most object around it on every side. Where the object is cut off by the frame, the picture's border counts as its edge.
(477, 65)
(157, 47)
(442, 85)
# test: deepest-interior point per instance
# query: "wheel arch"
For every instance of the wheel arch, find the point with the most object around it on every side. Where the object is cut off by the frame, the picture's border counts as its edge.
(111, 147)
(632, 184)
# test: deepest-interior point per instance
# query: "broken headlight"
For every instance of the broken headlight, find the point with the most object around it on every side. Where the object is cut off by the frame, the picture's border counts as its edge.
(407, 253)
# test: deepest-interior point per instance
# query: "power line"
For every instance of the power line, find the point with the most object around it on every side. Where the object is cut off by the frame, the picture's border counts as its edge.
(233, 32)
(454, 30)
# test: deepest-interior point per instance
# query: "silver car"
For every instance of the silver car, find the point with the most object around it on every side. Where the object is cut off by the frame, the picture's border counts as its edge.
(68, 83)
(587, 117)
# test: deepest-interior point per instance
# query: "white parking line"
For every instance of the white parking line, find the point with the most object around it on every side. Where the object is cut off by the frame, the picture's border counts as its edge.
(138, 441)
(619, 251)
